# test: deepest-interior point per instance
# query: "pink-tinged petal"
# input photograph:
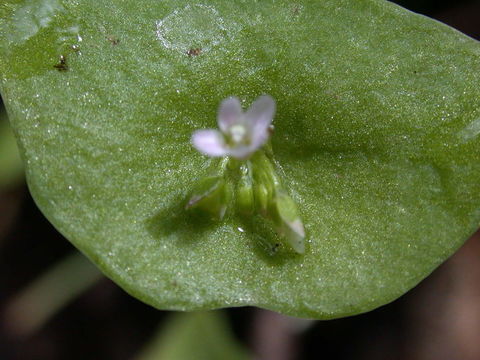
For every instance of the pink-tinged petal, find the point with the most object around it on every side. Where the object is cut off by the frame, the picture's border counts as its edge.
(241, 152)
(261, 112)
(229, 113)
(259, 138)
(209, 142)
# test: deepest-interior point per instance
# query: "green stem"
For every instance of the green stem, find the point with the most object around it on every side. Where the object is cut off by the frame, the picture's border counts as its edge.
(53, 290)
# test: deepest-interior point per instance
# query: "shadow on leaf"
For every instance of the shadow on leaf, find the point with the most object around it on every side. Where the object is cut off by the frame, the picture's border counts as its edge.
(266, 243)
(187, 227)
(174, 221)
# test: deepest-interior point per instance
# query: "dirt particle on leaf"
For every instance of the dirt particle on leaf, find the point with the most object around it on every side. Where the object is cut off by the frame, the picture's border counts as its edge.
(297, 10)
(113, 40)
(194, 52)
(62, 64)
(275, 247)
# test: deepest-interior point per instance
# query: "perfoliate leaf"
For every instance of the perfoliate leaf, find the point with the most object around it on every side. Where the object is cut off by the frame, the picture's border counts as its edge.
(376, 130)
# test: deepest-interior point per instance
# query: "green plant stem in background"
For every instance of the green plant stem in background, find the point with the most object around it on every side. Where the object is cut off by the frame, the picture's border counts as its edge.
(45, 296)
(199, 336)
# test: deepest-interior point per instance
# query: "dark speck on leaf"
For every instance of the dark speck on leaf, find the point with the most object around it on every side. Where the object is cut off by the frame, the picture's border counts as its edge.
(62, 64)
(113, 40)
(194, 52)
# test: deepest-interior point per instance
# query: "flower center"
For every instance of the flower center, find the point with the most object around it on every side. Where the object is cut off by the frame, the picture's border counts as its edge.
(238, 134)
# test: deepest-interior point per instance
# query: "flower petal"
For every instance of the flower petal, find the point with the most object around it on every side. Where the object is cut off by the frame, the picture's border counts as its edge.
(229, 113)
(260, 116)
(209, 142)
(241, 152)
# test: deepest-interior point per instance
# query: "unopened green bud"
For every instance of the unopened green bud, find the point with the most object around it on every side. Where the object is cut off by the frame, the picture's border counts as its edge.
(264, 185)
(244, 195)
(211, 196)
(262, 196)
(288, 222)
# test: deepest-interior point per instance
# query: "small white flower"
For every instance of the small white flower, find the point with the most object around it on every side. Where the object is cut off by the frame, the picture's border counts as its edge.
(241, 134)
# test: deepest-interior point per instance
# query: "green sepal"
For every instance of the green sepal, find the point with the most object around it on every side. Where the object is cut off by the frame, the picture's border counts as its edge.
(211, 196)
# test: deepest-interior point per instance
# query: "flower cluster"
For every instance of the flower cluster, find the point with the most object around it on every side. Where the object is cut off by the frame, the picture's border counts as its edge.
(245, 171)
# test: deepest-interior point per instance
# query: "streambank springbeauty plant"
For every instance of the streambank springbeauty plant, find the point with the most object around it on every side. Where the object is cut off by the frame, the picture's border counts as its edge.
(250, 171)
(376, 139)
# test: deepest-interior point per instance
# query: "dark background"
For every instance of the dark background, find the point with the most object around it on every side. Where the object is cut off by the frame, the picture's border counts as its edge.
(439, 319)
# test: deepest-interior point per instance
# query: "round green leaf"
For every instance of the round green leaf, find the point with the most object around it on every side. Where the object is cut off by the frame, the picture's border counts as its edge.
(378, 117)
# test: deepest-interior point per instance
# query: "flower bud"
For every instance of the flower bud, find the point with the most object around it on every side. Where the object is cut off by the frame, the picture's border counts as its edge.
(288, 222)
(244, 194)
(264, 186)
(211, 196)
(262, 196)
